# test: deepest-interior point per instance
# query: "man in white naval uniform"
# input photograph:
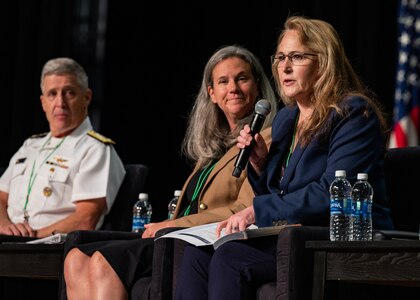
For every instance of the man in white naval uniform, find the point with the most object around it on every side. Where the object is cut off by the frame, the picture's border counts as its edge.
(66, 179)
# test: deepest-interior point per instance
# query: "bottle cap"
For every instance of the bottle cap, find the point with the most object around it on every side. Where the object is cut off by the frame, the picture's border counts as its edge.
(177, 193)
(143, 196)
(362, 176)
(340, 173)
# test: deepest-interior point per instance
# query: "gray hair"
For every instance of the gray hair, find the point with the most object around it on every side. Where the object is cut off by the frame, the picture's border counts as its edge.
(65, 65)
(208, 134)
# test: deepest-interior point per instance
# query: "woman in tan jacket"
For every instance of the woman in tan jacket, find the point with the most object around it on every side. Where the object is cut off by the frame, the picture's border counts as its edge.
(233, 81)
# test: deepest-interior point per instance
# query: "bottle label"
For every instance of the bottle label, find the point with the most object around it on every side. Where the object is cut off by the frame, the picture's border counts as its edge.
(348, 207)
(138, 222)
(366, 209)
(357, 208)
(338, 206)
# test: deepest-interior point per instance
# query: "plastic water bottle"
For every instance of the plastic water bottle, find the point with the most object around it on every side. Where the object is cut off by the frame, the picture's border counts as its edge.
(362, 195)
(142, 213)
(341, 224)
(172, 204)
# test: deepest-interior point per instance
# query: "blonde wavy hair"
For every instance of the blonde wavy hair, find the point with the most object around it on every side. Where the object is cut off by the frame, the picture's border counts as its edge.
(336, 77)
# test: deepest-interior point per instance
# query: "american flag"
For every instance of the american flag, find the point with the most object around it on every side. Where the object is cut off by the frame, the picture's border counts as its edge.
(405, 131)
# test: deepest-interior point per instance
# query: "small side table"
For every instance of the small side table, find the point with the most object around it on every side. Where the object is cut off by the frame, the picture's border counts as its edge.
(390, 262)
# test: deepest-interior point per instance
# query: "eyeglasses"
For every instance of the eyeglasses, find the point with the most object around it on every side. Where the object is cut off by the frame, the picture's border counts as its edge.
(296, 58)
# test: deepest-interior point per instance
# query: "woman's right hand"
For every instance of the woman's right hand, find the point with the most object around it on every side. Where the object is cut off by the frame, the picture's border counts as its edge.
(258, 157)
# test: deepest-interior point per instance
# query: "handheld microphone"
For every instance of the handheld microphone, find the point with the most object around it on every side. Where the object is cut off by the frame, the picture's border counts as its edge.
(262, 109)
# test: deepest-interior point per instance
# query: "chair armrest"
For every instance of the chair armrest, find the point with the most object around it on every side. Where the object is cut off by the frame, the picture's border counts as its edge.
(295, 262)
(167, 253)
(161, 280)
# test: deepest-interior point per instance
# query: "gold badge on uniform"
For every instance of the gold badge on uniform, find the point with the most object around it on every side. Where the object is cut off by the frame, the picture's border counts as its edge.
(47, 191)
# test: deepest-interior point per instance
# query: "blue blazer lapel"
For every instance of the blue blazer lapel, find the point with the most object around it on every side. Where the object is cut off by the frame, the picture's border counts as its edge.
(291, 167)
(281, 142)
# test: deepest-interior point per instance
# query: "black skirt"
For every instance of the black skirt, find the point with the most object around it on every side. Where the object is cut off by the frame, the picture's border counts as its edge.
(131, 259)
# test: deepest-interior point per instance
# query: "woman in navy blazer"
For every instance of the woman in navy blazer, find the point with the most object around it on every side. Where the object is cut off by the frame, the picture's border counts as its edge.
(330, 122)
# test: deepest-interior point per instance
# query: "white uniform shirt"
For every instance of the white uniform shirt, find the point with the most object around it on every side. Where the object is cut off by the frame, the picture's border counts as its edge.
(64, 171)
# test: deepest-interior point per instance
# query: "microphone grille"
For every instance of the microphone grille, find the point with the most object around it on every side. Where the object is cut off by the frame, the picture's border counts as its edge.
(263, 107)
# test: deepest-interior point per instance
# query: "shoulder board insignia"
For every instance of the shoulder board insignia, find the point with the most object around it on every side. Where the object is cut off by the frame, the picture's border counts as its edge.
(39, 135)
(100, 137)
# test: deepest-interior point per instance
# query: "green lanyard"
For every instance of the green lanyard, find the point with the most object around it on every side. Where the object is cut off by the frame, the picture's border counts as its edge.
(34, 175)
(203, 176)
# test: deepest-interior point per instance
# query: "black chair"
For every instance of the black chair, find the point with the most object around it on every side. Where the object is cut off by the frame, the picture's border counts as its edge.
(117, 222)
(294, 268)
(120, 215)
(294, 261)
(401, 167)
